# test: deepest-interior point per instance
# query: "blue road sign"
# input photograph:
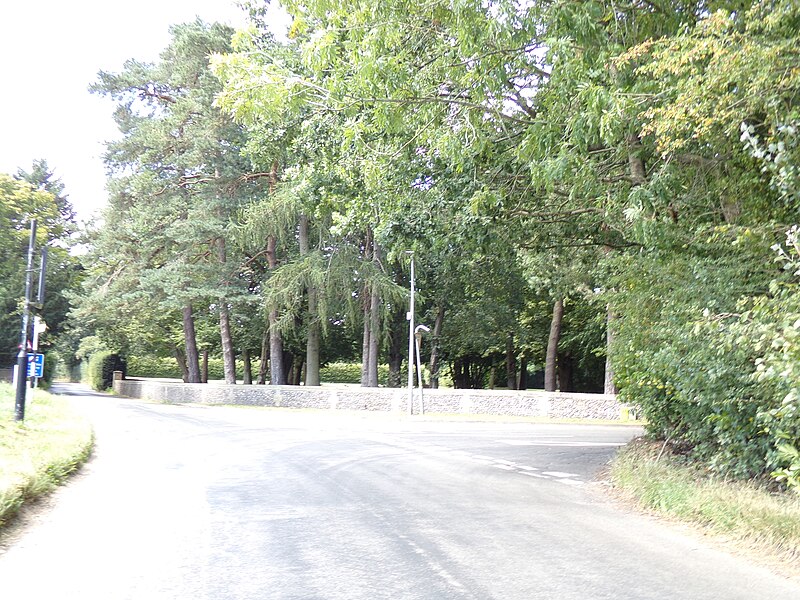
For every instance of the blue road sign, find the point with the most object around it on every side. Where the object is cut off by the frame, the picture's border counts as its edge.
(35, 365)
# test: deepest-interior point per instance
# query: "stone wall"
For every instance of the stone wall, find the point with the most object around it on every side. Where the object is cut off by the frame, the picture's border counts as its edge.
(531, 403)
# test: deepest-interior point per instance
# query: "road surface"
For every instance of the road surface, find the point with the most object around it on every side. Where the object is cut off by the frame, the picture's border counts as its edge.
(224, 503)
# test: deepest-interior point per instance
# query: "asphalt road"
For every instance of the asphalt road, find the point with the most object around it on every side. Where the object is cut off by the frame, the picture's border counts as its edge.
(199, 503)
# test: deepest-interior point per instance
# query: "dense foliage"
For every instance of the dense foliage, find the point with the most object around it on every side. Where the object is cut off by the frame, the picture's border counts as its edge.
(101, 369)
(599, 192)
(39, 195)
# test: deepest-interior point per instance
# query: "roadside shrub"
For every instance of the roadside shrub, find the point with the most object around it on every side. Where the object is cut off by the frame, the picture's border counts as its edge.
(349, 373)
(216, 369)
(101, 369)
(709, 349)
(167, 368)
(770, 326)
(153, 366)
(50, 363)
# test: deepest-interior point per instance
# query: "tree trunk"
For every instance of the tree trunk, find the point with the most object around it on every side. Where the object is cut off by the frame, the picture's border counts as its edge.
(302, 237)
(277, 374)
(523, 373)
(566, 381)
(314, 342)
(374, 339)
(374, 323)
(297, 370)
(204, 367)
(608, 385)
(395, 366)
(228, 355)
(492, 377)
(190, 339)
(288, 367)
(435, 340)
(511, 363)
(635, 161)
(458, 376)
(180, 358)
(247, 376)
(552, 346)
(367, 312)
(262, 367)
(365, 342)
(313, 326)
(276, 367)
(397, 347)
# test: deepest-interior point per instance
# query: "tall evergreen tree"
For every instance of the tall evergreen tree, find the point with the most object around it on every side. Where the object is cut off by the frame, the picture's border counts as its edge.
(180, 182)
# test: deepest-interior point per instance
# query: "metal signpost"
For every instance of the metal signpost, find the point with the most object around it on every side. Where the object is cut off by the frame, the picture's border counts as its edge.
(22, 357)
(37, 360)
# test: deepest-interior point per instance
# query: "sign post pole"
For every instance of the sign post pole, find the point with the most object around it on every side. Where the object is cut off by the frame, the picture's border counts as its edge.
(22, 357)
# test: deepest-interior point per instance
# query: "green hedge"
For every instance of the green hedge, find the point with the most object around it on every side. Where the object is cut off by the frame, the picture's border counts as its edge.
(167, 368)
(349, 373)
(50, 362)
(153, 366)
(101, 369)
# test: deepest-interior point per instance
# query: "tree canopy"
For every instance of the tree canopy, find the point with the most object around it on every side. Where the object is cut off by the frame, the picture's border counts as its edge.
(595, 192)
(39, 195)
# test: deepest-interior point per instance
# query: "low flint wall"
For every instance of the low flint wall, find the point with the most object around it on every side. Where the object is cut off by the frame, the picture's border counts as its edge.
(532, 403)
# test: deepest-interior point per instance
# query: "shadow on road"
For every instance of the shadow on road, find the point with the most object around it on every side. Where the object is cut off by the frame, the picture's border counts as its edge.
(74, 389)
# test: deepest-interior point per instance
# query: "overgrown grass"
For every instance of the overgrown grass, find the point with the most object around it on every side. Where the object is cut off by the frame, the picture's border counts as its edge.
(743, 512)
(38, 454)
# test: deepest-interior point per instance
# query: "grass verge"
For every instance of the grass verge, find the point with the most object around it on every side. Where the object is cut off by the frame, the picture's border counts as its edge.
(38, 454)
(752, 517)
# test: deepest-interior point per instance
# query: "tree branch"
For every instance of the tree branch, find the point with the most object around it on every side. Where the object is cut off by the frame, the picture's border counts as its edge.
(699, 161)
(152, 92)
(559, 214)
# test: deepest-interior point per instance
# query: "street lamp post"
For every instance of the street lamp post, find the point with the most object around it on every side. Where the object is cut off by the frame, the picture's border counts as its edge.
(410, 317)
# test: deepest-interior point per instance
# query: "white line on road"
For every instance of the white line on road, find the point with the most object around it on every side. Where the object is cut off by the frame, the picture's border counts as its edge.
(434, 564)
(558, 474)
(570, 481)
(482, 457)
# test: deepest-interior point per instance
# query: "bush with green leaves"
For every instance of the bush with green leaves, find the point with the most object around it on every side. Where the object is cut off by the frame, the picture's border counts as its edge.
(710, 350)
(770, 326)
(50, 361)
(167, 368)
(153, 366)
(349, 373)
(101, 369)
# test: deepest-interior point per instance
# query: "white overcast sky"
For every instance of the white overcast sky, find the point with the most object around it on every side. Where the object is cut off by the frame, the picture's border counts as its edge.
(50, 51)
